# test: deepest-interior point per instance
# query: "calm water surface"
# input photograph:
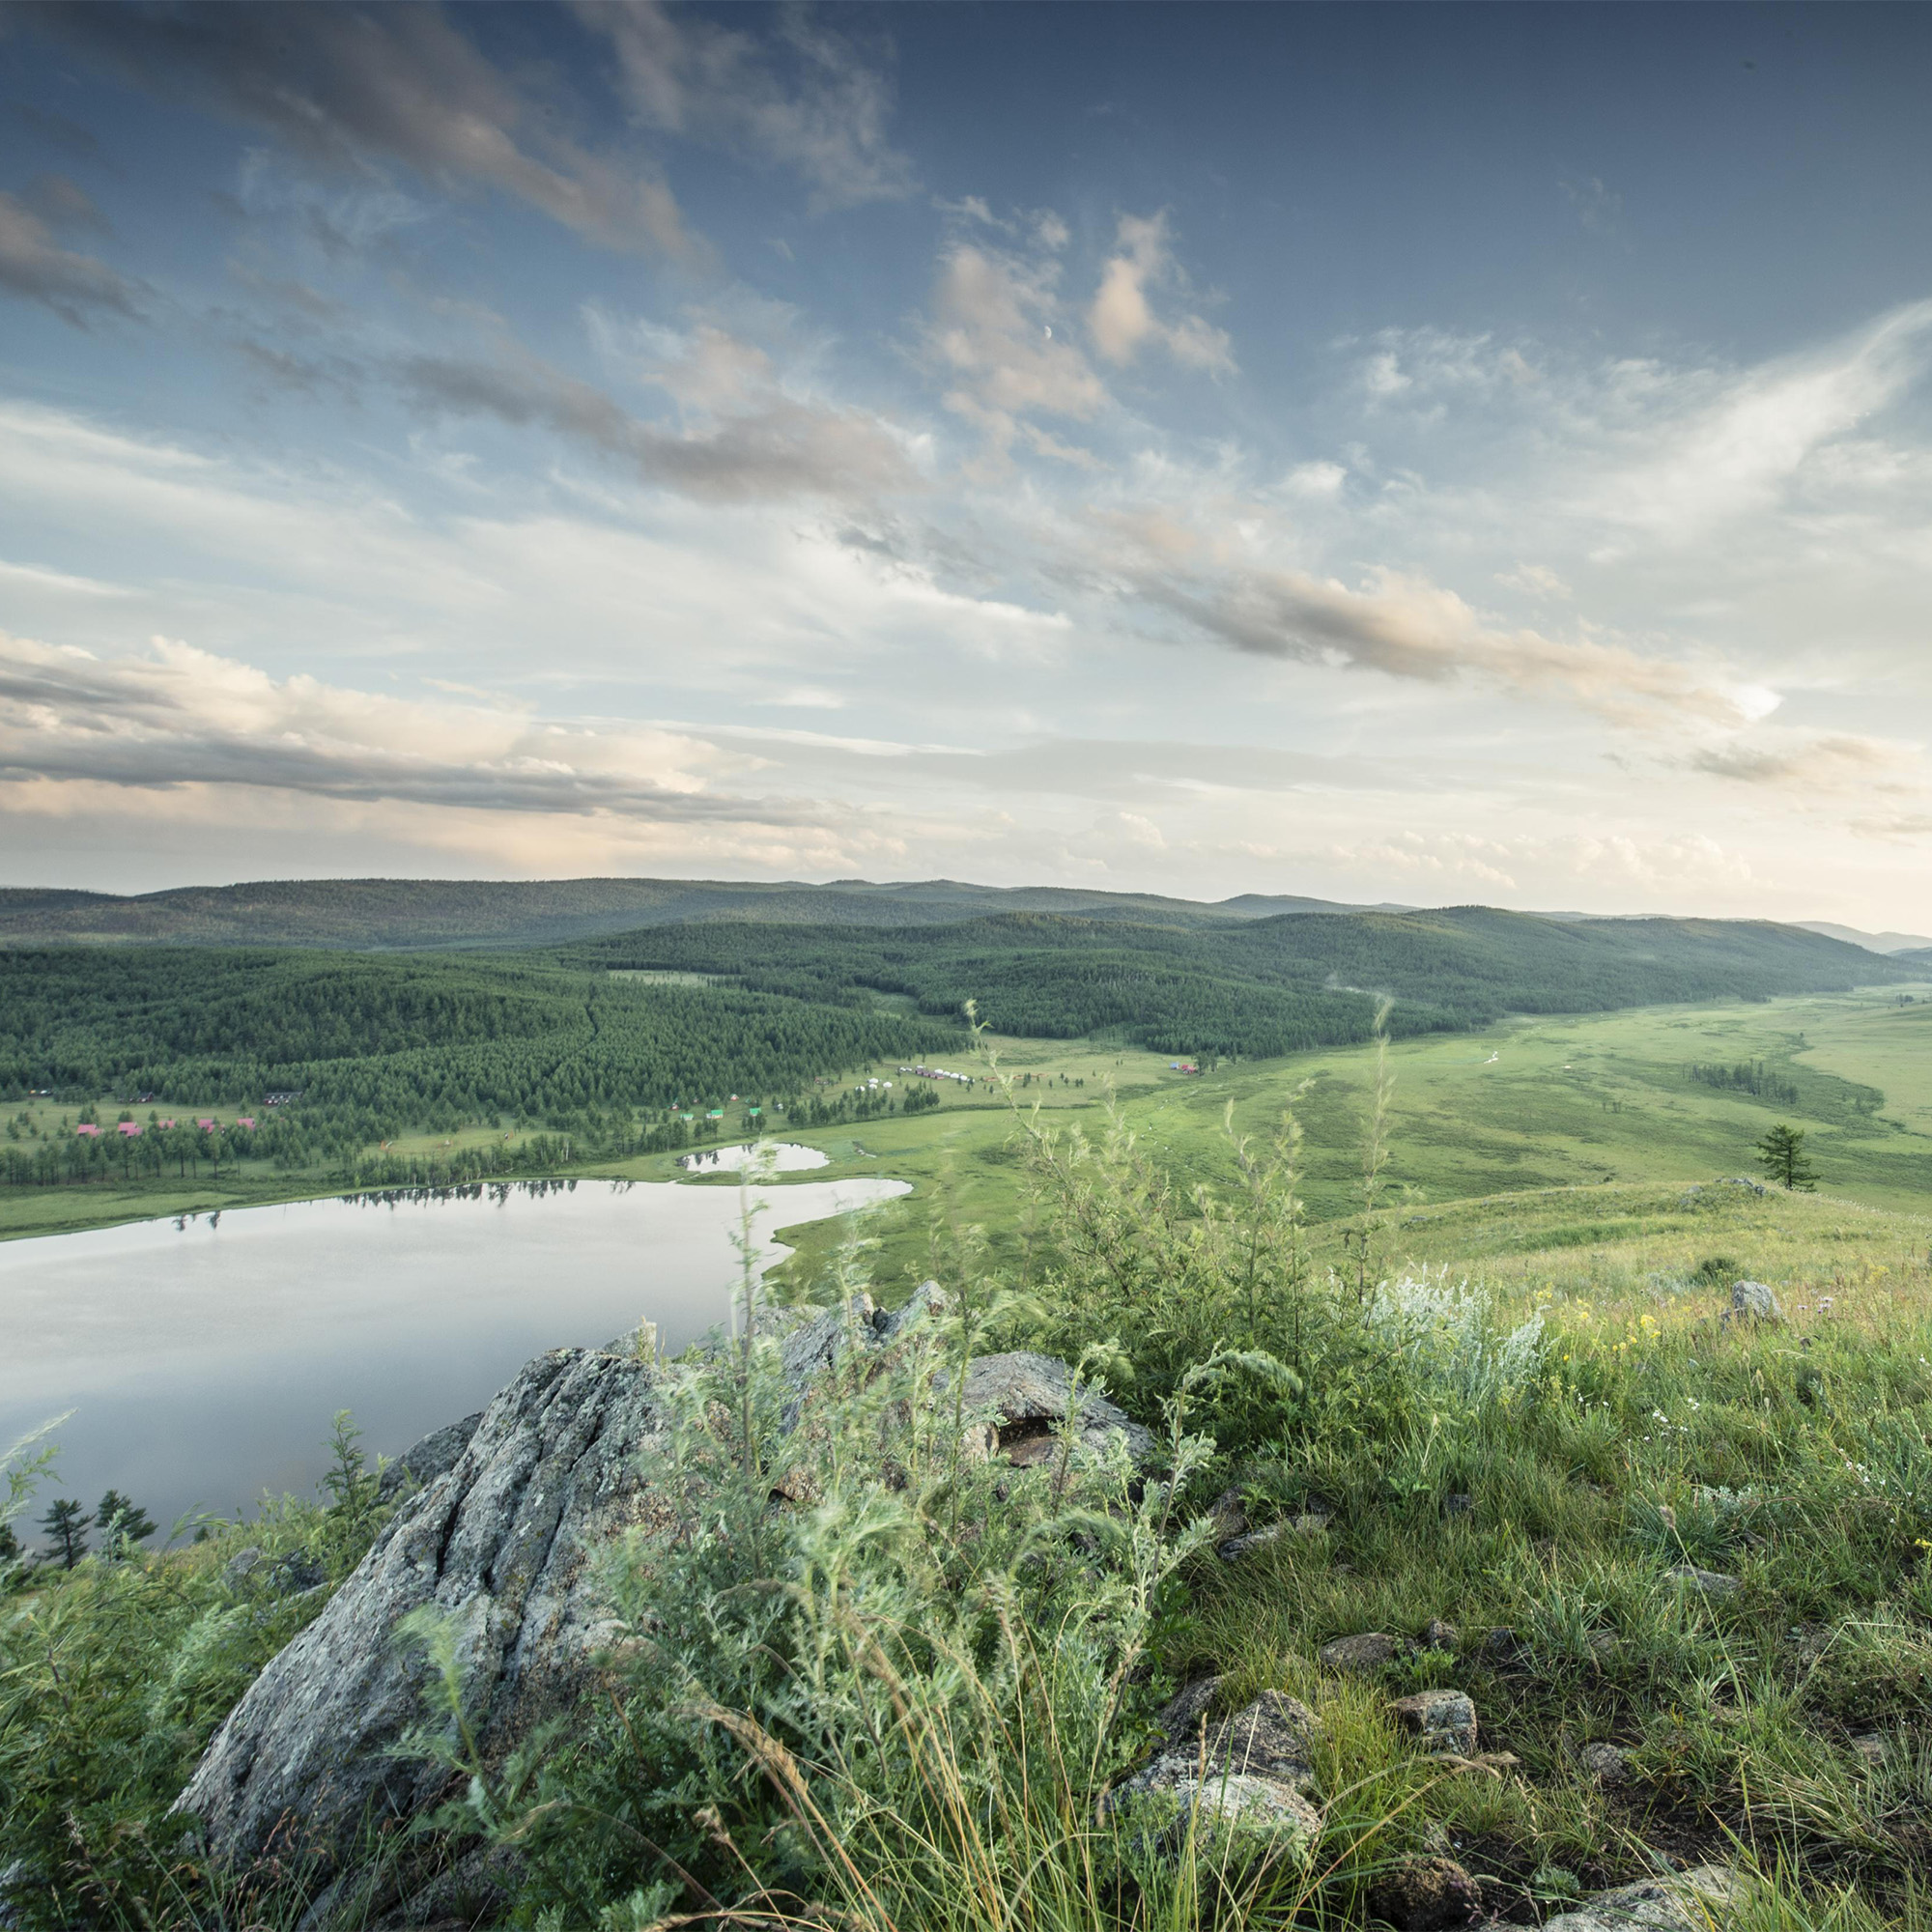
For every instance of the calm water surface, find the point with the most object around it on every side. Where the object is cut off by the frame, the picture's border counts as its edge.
(204, 1358)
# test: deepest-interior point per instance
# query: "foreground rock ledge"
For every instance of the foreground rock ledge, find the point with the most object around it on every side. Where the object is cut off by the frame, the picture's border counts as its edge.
(503, 1541)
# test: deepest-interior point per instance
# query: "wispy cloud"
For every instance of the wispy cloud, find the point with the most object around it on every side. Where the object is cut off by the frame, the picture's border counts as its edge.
(36, 267)
(354, 89)
(806, 99)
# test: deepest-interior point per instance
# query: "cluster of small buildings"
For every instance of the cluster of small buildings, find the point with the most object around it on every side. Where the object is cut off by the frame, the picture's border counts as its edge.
(934, 1073)
(131, 1130)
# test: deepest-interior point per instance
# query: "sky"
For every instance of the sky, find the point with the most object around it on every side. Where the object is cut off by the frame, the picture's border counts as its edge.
(1440, 454)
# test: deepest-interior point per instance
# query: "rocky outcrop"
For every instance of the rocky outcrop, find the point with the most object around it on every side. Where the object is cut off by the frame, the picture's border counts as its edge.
(503, 1543)
(422, 1462)
(1440, 1722)
(1032, 1395)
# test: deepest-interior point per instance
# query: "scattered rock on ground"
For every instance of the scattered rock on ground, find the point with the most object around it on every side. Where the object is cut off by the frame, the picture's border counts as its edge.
(1459, 1505)
(1251, 1772)
(241, 1567)
(1679, 1903)
(1368, 1651)
(1605, 1764)
(1753, 1301)
(1237, 1546)
(1706, 1582)
(422, 1462)
(1870, 1748)
(1439, 1635)
(1440, 1720)
(1425, 1896)
(300, 1570)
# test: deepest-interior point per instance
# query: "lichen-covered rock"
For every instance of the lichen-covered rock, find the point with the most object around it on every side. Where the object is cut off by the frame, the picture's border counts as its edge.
(1439, 1720)
(1032, 1395)
(503, 1543)
(1753, 1301)
(1250, 1772)
(1711, 1583)
(1683, 1902)
(1425, 1896)
(1605, 1764)
(1368, 1651)
(422, 1462)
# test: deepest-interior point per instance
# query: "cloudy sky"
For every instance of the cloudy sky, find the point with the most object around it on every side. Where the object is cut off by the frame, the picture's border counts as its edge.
(1434, 455)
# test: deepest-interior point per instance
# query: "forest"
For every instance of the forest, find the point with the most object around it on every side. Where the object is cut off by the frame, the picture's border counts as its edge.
(372, 1046)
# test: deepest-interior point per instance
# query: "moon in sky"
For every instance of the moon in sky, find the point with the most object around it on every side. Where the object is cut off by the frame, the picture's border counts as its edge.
(1049, 331)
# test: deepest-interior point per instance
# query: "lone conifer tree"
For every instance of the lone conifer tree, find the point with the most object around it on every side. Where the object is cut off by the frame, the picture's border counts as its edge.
(65, 1525)
(122, 1519)
(1781, 1155)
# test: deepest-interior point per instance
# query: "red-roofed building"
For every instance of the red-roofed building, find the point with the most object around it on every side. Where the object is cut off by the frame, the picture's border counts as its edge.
(246, 1120)
(130, 1128)
(208, 1126)
(87, 1130)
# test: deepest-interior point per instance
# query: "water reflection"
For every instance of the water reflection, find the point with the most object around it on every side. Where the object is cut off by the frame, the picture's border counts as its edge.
(204, 1356)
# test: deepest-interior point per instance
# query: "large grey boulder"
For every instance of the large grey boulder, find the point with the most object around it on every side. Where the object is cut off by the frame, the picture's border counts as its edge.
(503, 1543)
(1753, 1301)
(422, 1462)
(1687, 1901)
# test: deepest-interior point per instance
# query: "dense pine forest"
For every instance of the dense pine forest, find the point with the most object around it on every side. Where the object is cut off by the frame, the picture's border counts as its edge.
(369, 1047)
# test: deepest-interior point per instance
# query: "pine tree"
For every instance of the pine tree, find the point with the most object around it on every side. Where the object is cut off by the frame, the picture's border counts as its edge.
(122, 1519)
(1781, 1155)
(65, 1525)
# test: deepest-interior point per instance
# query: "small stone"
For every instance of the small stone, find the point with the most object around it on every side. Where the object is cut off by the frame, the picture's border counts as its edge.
(1441, 1721)
(298, 1571)
(1502, 1647)
(1710, 1584)
(1754, 1301)
(240, 1567)
(1228, 1518)
(1683, 1902)
(1439, 1635)
(1425, 1896)
(1180, 1717)
(1871, 1748)
(1237, 1546)
(1605, 1764)
(1459, 1505)
(1368, 1651)
(1218, 1810)
(1603, 1645)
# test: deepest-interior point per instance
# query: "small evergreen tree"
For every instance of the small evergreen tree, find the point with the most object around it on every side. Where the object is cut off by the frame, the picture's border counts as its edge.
(122, 1519)
(1781, 1155)
(65, 1525)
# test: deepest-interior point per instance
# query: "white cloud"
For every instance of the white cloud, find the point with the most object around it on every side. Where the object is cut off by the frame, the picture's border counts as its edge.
(1121, 318)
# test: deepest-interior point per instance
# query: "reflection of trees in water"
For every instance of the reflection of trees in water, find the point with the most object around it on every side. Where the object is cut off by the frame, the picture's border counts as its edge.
(498, 1191)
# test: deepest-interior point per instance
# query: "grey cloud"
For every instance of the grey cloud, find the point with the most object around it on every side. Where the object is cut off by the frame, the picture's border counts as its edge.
(776, 449)
(63, 203)
(1410, 628)
(37, 268)
(827, 117)
(1828, 761)
(344, 88)
(136, 723)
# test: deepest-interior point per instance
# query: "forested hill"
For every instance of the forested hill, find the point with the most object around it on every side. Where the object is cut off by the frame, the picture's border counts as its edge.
(1264, 986)
(414, 915)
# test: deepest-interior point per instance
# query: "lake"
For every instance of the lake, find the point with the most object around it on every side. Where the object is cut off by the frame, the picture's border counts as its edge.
(204, 1358)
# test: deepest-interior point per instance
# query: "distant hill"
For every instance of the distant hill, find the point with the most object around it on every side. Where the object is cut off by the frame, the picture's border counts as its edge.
(1872, 941)
(1258, 987)
(416, 914)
